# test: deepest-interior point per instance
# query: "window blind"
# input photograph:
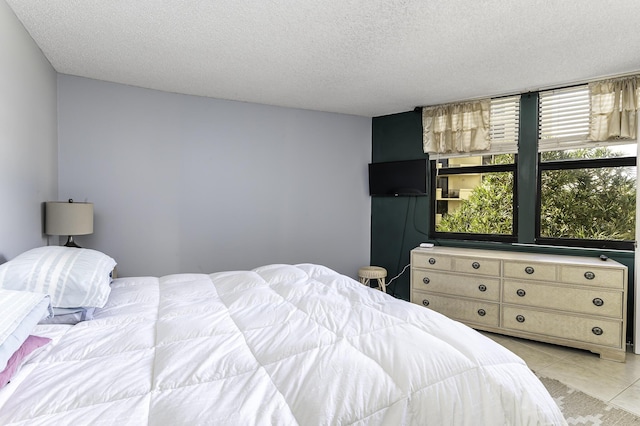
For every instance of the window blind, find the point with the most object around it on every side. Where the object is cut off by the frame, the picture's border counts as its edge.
(563, 118)
(504, 123)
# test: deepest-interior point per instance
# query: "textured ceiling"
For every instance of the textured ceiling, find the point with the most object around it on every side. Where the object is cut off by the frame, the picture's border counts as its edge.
(363, 57)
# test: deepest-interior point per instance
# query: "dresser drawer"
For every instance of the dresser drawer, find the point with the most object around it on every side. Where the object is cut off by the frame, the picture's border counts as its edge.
(477, 265)
(580, 300)
(479, 312)
(456, 284)
(612, 278)
(598, 331)
(431, 261)
(530, 270)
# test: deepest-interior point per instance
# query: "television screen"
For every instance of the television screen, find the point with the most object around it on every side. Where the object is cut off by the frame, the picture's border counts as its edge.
(398, 178)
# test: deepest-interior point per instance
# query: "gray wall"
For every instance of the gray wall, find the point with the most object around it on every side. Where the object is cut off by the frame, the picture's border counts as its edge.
(28, 137)
(188, 184)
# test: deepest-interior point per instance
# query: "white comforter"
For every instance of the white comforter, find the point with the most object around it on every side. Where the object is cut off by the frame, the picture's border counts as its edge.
(278, 345)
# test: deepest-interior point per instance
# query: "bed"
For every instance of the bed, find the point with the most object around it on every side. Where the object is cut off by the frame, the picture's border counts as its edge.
(280, 344)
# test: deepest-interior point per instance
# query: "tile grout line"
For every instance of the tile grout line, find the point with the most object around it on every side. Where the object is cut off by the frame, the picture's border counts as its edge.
(637, 382)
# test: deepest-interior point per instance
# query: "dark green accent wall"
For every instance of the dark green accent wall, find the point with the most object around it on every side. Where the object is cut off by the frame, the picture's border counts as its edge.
(397, 137)
(399, 224)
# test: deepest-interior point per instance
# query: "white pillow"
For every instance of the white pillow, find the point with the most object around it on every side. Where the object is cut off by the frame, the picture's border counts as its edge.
(73, 277)
(20, 312)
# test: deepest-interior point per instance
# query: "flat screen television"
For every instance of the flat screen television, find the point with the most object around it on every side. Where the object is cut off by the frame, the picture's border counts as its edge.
(398, 178)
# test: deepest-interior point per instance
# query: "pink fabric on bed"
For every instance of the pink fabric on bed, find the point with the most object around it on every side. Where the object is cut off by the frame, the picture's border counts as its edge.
(31, 344)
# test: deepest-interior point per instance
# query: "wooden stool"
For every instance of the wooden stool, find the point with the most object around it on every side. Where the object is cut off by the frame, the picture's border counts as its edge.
(367, 273)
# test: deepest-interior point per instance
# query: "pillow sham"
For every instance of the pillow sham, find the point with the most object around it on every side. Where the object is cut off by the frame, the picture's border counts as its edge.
(71, 276)
(20, 312)
(28, 346)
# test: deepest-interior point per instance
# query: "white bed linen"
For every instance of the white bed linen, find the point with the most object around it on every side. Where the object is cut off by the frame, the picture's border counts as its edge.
(277, 345)
(20, 311)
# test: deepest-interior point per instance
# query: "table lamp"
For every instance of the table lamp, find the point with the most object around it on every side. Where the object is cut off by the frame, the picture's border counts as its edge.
(68, 218)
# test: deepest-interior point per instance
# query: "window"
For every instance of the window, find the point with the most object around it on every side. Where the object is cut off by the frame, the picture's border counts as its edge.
(587, 190)
(578, 192)
(467, 187)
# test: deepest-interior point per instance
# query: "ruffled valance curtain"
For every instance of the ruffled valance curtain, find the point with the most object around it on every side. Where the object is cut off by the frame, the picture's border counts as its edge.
(456, 128)
(613, 109)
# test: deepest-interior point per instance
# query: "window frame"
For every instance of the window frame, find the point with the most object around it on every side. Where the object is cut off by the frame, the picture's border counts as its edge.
(592, 163)
(488, 168)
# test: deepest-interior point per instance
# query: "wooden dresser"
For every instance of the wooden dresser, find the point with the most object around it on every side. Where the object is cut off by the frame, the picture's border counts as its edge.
(566, 300)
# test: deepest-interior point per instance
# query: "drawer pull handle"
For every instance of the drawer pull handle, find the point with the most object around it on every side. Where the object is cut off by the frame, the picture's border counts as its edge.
(589, 275)
(529, 270)
(432, 261)
(520, 318)
(598, 302)
(426, 280)
(475, 265)
(520, 292)
(425, 302)
(482, 312)
(597, 331)
(482, 287)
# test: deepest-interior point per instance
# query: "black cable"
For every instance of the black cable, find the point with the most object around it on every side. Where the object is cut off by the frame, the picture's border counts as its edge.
(404, 231)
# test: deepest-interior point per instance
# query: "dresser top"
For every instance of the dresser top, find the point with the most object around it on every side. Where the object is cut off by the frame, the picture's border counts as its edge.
(515, 256)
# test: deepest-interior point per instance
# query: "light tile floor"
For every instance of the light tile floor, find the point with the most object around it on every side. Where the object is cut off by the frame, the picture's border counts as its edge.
(616, 383)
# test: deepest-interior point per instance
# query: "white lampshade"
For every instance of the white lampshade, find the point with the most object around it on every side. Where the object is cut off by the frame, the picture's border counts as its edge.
(68, 218)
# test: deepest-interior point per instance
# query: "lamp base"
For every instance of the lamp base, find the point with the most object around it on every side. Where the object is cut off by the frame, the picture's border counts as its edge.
(71, 243)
